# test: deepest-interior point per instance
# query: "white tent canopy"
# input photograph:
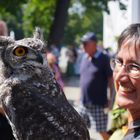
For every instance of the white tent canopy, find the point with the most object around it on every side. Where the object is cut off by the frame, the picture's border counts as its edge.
(118, 20)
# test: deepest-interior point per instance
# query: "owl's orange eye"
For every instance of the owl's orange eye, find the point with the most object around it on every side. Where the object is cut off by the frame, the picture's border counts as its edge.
(20, 51)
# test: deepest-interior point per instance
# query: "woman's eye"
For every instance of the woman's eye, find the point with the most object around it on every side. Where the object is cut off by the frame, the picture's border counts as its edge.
(118, 62)
(20, 51)
(134, 67)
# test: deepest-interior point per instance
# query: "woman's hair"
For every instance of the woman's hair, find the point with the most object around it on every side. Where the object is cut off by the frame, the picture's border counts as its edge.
(131, 36)
(3, 29)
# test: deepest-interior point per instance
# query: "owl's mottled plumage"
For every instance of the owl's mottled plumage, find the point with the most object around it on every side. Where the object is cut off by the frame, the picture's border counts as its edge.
(34, 103)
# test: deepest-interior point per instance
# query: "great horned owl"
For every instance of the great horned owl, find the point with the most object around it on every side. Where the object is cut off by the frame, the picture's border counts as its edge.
(32, 100)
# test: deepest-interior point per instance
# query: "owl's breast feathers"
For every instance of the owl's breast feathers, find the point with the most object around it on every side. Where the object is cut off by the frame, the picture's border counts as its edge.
(38, 110)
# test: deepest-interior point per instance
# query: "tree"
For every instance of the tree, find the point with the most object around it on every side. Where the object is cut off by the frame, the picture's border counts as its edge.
(38, 13)
(53, 18)
(60, 17)
(79, 22)
(10, 11)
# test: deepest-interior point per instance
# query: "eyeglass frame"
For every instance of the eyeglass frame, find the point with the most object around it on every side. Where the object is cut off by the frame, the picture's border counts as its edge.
(115, 61)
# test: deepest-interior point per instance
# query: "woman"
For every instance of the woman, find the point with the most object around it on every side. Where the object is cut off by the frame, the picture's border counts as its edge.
(126, 66)
(55, 69)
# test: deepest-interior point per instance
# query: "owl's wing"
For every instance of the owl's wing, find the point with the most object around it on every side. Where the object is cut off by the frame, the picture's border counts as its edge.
(44, 109)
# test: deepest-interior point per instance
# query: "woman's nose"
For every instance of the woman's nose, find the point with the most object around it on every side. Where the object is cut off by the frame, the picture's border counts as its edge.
(121, 75)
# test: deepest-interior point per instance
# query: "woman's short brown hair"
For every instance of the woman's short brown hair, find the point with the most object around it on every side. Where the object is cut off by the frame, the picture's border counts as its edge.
(131, 36)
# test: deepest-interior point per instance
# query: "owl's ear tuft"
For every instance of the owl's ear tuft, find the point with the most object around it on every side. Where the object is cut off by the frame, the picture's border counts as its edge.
(38, 33)
(4, 41)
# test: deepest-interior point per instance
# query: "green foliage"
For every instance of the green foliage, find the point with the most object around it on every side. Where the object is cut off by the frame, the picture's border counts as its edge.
(90, 20)
(119, 118)
(11, 6)
(23, 16)
(38, 13)
(13, 21)
(96, 5)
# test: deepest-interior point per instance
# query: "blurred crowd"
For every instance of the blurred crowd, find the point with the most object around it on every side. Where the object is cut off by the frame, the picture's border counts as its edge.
(68, 58)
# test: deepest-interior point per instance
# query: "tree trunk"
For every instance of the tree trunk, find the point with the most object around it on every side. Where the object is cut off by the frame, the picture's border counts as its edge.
(58, 25)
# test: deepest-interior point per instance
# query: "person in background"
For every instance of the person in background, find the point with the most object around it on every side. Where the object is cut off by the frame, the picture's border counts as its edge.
(63, 60)
(80, 54)
(51, 59)
(95, 78)
(71, 61)
(56, 52)
(126, 73)
(3, 29)
(5, 128)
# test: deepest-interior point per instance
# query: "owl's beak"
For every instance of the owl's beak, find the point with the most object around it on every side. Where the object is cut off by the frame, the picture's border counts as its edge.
(39, 58)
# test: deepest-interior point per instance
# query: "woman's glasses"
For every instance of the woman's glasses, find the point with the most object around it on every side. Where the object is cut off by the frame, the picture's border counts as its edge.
(132, 69)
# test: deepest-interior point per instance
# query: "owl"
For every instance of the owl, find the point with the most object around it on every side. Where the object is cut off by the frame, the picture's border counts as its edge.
(31, 98)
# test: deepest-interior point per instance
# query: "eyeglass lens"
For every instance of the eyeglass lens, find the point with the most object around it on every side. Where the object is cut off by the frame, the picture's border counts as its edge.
(132, 69)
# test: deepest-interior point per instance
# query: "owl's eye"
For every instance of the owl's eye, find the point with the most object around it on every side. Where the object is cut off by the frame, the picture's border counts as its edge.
(20, 51)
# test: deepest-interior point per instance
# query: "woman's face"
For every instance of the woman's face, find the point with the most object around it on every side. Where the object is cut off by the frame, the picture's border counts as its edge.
(127, 88)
